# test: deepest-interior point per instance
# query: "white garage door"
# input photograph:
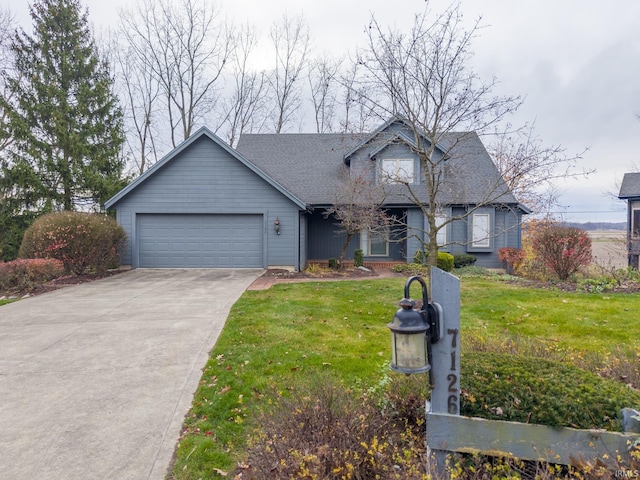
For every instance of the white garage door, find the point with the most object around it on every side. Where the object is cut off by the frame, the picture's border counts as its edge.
(200, 241)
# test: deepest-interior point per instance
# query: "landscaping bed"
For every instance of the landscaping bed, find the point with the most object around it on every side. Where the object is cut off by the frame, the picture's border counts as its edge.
(58, 283)
(348, 272)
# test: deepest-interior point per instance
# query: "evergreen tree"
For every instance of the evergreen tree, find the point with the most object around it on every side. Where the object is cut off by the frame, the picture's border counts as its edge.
(62, 115)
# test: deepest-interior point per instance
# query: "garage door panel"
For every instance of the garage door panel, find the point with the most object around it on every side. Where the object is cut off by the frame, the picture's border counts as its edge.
(200, 241)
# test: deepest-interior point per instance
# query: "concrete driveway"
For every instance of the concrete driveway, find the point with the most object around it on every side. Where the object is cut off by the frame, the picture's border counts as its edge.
(95, 379)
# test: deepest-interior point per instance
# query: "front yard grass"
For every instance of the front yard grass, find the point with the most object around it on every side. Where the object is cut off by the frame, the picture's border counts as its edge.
(275, 339)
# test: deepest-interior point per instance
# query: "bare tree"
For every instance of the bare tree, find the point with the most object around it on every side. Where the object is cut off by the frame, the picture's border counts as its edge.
(245, 110)
(323, 82)
(358, 207)
(358, 108)
(186, 45)
(423, 76)
(140, 94)
(530, 168)
(291, 40)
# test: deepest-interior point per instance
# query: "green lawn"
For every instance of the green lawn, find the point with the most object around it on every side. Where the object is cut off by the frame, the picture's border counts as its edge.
(276, 338)
(576, 321)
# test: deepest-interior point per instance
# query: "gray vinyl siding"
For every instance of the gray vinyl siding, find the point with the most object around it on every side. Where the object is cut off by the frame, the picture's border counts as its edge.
(506, 233)
(324, 239)
(415, 221)
(303, 239)
(205, 179)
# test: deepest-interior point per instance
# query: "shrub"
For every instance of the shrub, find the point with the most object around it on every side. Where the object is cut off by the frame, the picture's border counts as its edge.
(445, 261)
(563, 249)
(24, 275)
(536, 390)
(420, 257)
(325, 431)
(533, 267)
(334, 264)
(464, 260)
(512, 258)
(84, 242)
(358, 259)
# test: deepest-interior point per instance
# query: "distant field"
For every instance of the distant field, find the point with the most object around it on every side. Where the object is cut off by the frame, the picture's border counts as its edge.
(609, 248)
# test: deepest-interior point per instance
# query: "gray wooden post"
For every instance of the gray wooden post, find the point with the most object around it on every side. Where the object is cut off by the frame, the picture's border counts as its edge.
(445, 356)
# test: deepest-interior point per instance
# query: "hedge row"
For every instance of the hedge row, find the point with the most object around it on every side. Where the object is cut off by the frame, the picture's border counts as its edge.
(24, 275)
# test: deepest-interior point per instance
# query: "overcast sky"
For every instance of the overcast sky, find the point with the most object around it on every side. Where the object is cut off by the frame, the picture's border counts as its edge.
(576, 63)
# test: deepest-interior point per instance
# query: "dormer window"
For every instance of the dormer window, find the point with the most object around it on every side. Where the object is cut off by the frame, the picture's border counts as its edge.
(397, 170)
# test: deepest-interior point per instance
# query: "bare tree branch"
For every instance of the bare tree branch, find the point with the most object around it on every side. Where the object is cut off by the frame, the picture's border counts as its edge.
(245, 109)
(139, 91)
(322, 80)
(357, 207)
(530, 168)
(291, 40)
(186, 46)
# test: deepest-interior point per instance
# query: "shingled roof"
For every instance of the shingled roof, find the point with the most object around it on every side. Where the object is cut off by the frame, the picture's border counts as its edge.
(630, 187)
(310, 166)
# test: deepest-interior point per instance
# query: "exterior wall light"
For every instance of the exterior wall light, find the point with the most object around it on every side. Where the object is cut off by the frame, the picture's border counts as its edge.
(276, 225)
(413, 331)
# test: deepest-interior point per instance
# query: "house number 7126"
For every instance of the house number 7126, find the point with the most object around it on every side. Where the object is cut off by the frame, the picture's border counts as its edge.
(453, 401)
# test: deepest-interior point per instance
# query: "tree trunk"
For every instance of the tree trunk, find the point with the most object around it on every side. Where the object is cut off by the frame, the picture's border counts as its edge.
(344, 248)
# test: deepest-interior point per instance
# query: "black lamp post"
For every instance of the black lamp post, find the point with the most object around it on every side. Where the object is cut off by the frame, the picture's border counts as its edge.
(413, 331)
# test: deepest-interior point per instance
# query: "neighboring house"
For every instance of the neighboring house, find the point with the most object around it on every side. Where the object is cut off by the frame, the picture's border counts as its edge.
(630, 191)
(262, 205)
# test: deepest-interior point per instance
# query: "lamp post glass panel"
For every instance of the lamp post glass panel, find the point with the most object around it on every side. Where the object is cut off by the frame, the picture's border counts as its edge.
(410, 353)
(412, 331)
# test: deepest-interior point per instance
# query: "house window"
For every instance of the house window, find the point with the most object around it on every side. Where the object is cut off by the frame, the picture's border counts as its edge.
(635, 223)
(374, 244)
(378, 245)
(481, 230)
(397, 170)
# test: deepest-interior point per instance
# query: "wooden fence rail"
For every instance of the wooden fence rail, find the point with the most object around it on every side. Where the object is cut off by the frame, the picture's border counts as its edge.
(566, 446)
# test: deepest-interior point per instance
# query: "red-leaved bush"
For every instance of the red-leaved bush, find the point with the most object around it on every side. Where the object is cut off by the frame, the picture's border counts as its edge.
(512, 257)
(562, 249)
(25, 274)
(84, 242)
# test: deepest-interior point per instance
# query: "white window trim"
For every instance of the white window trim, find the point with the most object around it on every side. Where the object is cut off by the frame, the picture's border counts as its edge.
(364, 242)
(365, 245)
(401, 166)
(441, 218)
(481, 234)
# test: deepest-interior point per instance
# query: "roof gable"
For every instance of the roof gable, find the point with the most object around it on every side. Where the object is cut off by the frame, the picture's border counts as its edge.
(385, 135)
(176, 152)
